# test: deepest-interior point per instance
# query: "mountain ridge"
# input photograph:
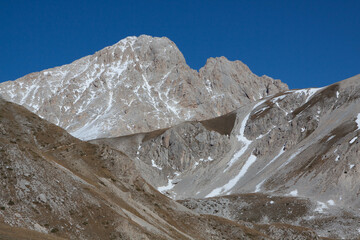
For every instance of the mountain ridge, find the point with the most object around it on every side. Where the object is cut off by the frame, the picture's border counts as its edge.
(140, 80)
(221, 141)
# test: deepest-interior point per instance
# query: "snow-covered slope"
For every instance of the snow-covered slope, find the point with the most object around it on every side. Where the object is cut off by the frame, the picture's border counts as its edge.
(137, 85)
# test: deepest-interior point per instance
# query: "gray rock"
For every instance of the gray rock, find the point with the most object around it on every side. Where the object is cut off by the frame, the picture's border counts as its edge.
(138, 85)
(301, 143)
(57, 184)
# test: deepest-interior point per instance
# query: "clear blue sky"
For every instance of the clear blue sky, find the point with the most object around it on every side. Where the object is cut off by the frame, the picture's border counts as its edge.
(303, 43)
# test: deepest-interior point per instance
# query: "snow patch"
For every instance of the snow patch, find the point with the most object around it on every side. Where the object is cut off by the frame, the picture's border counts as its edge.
(353, 140)
(209, 159)
(228, 186)
(276, 157)
(237, 155)
(278, 98)
(358, 121)
(241, 138)
(331, 202)
(208, 85)
(262, 135)
(153, 164)
(258, 187)
(146, 86)
(294, 193)
(261, 110)
(309, 92)
(320, 207)
(169, 186)
(330, 138)
(291, 157)
(277, 104)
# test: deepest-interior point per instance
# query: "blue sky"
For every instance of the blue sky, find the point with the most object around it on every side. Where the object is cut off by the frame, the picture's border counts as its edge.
(303, 43)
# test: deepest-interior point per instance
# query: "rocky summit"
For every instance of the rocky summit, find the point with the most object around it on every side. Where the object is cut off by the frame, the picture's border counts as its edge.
(167, 152)
(139, 84)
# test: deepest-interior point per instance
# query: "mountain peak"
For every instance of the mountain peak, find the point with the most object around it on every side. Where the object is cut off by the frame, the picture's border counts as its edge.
(138, 84)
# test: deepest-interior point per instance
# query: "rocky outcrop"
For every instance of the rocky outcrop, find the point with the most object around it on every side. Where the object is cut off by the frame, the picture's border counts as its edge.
(139, 84)
(163, 155)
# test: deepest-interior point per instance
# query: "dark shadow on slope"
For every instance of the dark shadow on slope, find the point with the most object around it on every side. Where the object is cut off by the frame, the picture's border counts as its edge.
(223, 124)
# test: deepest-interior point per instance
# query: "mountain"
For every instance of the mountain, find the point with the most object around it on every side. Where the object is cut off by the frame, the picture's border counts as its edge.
(235, 156)
(139, 84)
(298, 143)
(62, 187)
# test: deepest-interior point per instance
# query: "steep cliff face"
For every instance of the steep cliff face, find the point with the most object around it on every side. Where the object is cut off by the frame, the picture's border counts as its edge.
(139, 84)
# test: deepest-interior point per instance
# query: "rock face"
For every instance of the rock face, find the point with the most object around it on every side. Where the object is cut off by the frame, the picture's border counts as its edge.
(301, 143)
(58, 185)
(163, 155)
(139, 84)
